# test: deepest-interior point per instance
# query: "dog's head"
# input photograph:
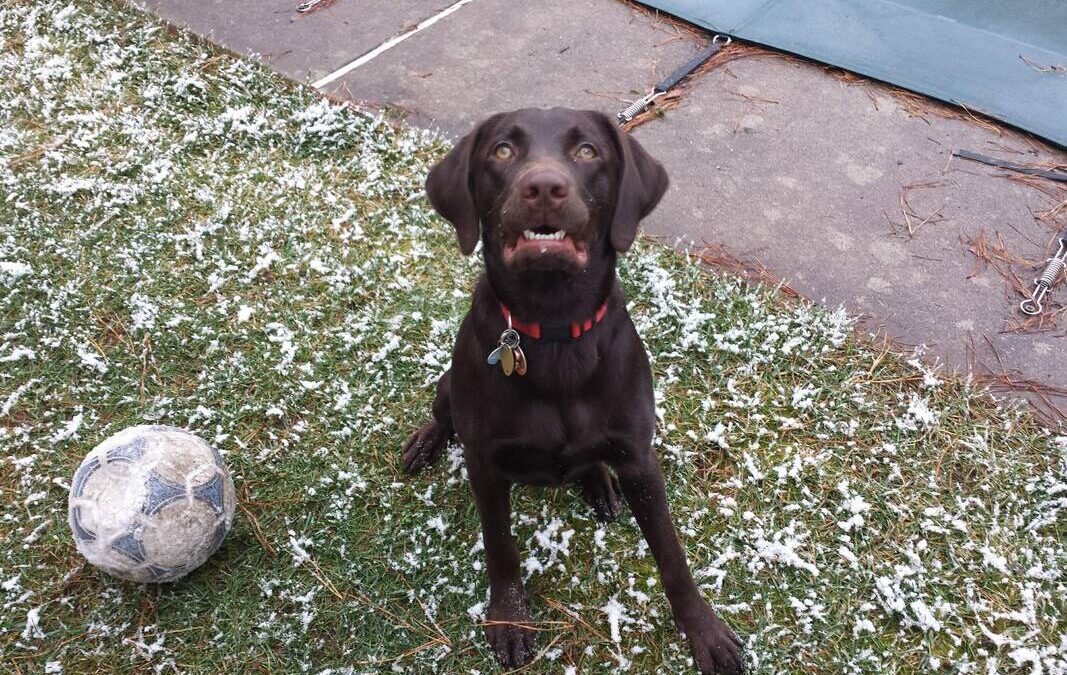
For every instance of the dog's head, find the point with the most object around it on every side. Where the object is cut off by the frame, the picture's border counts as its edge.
(546, 189)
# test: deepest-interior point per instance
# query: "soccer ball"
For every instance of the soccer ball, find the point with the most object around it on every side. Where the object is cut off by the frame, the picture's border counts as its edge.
(150, 504)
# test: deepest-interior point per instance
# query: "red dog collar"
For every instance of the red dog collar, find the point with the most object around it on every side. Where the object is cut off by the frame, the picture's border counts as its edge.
(539, 331)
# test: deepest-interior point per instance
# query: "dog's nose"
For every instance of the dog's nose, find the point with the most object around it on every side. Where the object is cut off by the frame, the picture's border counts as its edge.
(544, 189)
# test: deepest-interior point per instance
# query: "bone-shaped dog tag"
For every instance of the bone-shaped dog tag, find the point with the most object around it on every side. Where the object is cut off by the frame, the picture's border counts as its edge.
(507, 360)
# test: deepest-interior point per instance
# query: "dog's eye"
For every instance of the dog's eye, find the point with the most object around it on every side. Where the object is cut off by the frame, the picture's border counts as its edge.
(586, 151)
(503, 151)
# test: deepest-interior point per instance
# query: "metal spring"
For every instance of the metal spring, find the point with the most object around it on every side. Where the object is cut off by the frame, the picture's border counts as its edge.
(1052, 272)
(1056, 264)
(632, 111)
(635, 108)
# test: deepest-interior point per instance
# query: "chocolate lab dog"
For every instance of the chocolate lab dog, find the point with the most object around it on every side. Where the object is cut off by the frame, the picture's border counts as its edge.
(550, 383)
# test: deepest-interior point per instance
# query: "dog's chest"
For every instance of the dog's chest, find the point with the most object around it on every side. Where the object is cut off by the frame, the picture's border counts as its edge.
(551, 442)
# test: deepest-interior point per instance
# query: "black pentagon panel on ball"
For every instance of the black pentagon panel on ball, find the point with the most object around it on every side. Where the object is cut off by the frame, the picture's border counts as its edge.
(212, 493)
(81, 477)
(130, 545)
(159, 492)
(127, 452)
(77, 490)
(218, 536)
(163, 573)
(76, 524)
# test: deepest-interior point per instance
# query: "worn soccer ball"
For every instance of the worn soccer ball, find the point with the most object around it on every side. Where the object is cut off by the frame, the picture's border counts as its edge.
(151, 504)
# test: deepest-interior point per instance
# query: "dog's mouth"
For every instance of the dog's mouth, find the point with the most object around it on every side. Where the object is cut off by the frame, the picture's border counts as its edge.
(545, 242)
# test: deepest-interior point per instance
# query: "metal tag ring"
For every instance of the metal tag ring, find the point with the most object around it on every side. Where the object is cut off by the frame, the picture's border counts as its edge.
(510, 337)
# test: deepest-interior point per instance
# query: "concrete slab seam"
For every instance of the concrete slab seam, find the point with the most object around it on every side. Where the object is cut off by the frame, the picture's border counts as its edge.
(389, 44)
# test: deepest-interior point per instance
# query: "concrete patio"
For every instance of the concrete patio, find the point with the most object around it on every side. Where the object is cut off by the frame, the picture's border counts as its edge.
(841, 187)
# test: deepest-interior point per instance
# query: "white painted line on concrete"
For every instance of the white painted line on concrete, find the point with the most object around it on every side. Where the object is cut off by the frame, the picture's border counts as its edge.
(388, 44)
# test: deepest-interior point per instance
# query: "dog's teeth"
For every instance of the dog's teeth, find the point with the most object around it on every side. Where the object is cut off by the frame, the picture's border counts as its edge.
(555, 236)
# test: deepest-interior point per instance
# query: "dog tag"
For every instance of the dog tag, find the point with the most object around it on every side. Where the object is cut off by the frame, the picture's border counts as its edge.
(520, 361)
(494, 356)
(507, 360)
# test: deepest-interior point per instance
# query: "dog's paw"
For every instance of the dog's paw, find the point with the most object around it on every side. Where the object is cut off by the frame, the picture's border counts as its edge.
(507, 629)
(425, 445)
(716, 648)
(600, 490)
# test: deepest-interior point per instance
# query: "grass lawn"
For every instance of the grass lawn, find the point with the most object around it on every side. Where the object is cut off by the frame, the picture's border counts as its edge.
(190, 240)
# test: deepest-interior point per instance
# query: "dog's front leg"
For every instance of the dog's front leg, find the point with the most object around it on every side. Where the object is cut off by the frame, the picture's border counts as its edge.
(508, 618)
(715, 647)
(425, 445)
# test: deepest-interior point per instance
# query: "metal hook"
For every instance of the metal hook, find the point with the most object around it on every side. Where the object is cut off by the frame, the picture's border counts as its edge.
(1032, 305)
(306, 7)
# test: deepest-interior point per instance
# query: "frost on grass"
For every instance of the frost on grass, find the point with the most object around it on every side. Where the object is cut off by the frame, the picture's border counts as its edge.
(185, 239)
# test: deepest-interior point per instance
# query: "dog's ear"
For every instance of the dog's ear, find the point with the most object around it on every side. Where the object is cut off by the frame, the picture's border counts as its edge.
(450, 190)
(642, 182)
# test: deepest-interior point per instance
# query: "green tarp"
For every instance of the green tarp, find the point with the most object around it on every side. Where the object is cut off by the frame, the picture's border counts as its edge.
(1005, 58)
